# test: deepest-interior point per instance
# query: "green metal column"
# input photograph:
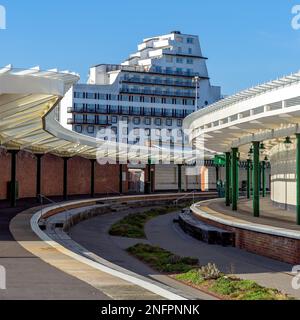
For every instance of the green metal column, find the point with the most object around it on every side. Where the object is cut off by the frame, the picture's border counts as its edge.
(179, 178)
(248, 179)
(13, 179)
(234, 178)
(227, 187)
(38, 176)
(263, 178)
(298, 175)
(93, 161)
(65, 180)
(255, 179)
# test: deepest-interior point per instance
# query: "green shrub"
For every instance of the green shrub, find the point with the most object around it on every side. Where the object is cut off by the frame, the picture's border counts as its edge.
(162, 260)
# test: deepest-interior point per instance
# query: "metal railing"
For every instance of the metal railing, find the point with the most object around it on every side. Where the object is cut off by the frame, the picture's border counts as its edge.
(185, 196)
(43, 197)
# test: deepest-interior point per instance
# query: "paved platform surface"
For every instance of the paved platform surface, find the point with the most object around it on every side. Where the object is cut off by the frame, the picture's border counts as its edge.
(93, 235)
(267, 272)
(28, 277)
(269, 214)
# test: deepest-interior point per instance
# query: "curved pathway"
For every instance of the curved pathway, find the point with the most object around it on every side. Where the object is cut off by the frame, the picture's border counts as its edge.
(93, 235)
(267, 272)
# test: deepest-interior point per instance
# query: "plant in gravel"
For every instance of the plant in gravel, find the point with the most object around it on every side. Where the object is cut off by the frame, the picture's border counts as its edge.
(239, 289)
(210, 272)
(162, 260)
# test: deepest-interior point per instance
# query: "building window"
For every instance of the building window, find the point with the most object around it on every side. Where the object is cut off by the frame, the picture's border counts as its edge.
(90, 95)
(136, 131)
(190, 50)
(136, 121)
(114, 109)
(157, 122)
(90, 107)
(114, 130)
(90, 129)
(189, 61)
(102, 119)
(147, 121)
(78, 107)
(179, 60)
(190, 40)
(147, 112)
(136, 110)
(125, 110)
(114, 119)
(169, 112)
(179, 133)
(153, 100)
(169, 122)
(79, 95)
(125, 119)
(179, 123)
(169, 59)
(179, 39)
(147, 132)
(78, 128)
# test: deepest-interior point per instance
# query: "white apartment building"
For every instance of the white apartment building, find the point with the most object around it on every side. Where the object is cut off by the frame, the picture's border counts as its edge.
(153, 91)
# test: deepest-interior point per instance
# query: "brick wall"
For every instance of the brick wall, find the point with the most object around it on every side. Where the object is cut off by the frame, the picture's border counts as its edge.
(79, 176)
(271, 246)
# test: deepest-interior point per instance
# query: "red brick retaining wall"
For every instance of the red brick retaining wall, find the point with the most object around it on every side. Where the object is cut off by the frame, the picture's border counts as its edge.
(79, 176)
(271, 246)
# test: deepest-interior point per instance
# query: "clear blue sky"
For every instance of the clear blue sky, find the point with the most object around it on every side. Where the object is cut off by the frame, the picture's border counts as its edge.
(247, 42)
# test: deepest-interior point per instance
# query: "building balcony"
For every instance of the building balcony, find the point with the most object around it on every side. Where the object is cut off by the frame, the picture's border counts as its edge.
(158, 93)
(167, 83)
(88, 122)
(142, 112)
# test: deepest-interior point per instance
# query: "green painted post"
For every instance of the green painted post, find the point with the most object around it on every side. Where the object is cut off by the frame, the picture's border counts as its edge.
(248, 179)
(255, 180)
(227, 187)
(234, 178)
(298, 176)
(263, 173)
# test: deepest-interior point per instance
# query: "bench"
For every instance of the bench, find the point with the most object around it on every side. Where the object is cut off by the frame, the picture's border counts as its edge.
(203, 231)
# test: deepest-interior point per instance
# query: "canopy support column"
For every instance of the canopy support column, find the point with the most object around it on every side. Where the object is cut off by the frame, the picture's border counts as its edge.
(39, 177)
(93, 161)
(227, 187)
(256, 180)
(263, 173)
(235, 182)
(248, 179)
(13, 179)
(65, 181)
(179, 178)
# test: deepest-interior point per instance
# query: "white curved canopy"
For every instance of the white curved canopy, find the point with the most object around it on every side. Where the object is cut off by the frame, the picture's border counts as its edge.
(28, 98)
(269, 112)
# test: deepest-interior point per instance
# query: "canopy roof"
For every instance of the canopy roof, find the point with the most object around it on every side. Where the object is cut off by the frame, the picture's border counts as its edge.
(269, 112)
(28, 98)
